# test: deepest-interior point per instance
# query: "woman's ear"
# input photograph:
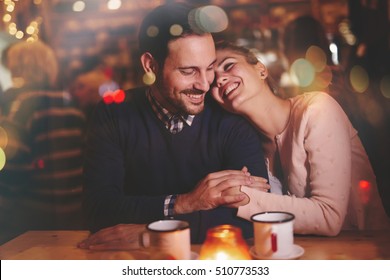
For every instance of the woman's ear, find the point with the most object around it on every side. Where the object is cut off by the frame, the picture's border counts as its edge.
(262, 70)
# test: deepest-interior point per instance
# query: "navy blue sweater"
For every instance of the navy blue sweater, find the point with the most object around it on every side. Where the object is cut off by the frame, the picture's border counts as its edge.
(133, 162)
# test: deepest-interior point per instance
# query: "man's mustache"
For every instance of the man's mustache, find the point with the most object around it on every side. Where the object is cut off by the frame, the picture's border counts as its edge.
(192, 91)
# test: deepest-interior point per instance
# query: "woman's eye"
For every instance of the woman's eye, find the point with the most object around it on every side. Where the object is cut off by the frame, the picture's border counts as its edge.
(228, 66)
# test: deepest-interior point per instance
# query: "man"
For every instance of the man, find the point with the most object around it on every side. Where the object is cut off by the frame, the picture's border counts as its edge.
(160, 153)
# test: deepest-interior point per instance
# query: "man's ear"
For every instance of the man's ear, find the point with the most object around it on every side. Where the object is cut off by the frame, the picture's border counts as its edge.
(148, 63)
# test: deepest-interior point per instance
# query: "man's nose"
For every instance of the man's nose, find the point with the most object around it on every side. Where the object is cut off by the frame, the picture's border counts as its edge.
(203, 82)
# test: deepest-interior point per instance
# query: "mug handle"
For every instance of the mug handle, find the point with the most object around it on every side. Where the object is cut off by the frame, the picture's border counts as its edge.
(144, 239)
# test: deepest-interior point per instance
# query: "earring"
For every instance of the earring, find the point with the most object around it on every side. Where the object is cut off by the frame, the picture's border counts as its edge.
(149, 78)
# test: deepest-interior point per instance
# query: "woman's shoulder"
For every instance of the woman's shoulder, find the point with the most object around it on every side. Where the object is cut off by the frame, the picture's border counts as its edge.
(313, 97)
(314, 108)
(315, 100)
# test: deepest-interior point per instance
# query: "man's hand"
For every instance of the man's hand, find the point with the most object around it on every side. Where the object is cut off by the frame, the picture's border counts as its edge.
(208, 193)
(260, 184)
(119, 237)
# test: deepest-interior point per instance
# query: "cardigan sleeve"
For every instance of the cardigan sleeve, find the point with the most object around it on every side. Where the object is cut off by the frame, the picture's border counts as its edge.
(319, 195)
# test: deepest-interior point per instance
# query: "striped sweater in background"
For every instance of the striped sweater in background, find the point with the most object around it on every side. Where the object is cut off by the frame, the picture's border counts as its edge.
(40, 183)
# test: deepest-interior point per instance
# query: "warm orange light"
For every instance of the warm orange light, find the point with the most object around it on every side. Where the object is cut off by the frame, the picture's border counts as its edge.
(224, 242)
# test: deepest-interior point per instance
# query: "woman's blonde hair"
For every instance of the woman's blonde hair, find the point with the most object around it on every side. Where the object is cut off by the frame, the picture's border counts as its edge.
(34, 64)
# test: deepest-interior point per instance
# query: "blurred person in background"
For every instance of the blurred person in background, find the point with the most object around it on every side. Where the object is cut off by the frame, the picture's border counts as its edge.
(315, 157)
(85, 90)
(91, 82)
(369, 23)
(5, 77)
(307, 49)
(40, 183)
(312, 64)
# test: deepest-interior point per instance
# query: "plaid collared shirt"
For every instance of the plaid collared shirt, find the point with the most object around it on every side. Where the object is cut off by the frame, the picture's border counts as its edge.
(173, 122)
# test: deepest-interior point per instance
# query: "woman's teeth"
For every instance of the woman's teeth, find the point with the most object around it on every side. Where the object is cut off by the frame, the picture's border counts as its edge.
(230, 88)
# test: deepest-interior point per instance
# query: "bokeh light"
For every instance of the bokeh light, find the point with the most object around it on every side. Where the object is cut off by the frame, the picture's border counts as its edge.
(334, 50)
(359, 79)
(10, 7)
(2, 159)
(323, 79)
(7, 18)
(209, 19)
(365, 191)
(149, 79)
(303, 71)
(385, 86)
(316, 56)
(114, 4)
(19, 34)
(39, 164)
(176, 30)
(117, 96)
(78, 6)
(3, 138)
(108, 97)
(30, 30)
(152, 31)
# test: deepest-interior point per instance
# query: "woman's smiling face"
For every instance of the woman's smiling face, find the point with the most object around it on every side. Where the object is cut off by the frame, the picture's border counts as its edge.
(235, 81)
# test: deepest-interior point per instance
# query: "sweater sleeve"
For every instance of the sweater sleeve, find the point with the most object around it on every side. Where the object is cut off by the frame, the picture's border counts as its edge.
(105, 203)
(326, 141)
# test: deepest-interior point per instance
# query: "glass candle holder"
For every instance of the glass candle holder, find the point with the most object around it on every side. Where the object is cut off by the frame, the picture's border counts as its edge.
(224, 242)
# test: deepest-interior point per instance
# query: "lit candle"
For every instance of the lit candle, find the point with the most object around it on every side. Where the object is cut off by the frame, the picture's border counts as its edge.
(224, 242)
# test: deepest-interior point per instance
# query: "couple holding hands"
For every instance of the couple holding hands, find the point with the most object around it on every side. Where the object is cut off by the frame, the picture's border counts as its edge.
(211, 143)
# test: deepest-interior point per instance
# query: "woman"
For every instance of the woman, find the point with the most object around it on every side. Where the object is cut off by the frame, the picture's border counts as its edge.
(311, 148)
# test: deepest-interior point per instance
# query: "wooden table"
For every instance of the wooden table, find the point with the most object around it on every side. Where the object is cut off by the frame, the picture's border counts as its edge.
(62, 245)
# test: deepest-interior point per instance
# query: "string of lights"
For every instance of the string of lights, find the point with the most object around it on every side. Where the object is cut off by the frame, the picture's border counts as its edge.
(31, 31)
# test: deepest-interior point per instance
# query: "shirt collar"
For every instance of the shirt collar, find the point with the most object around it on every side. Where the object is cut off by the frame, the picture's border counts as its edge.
(163, 114)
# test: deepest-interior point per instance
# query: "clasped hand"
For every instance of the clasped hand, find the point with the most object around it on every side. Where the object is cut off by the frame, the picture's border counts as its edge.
(221, 188)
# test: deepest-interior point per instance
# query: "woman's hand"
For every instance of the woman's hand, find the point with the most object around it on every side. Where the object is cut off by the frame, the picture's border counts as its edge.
(258, 183)
(207, 194)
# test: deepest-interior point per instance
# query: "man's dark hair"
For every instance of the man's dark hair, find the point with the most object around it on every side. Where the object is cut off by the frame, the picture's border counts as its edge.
(155, 31)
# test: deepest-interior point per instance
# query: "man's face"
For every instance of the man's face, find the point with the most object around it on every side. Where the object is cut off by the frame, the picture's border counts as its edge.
(187, 74)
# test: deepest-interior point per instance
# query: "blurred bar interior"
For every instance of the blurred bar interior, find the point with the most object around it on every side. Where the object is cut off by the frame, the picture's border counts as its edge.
(91, 34)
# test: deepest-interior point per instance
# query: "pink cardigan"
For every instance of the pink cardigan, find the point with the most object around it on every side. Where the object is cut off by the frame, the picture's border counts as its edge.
(324, 163)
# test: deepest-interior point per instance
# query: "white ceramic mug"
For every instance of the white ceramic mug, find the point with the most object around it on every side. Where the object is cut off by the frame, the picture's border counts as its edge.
(168, 237)
(273, 234)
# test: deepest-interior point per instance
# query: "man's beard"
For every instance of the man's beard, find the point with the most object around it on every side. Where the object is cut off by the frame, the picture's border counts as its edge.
(178, 104)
